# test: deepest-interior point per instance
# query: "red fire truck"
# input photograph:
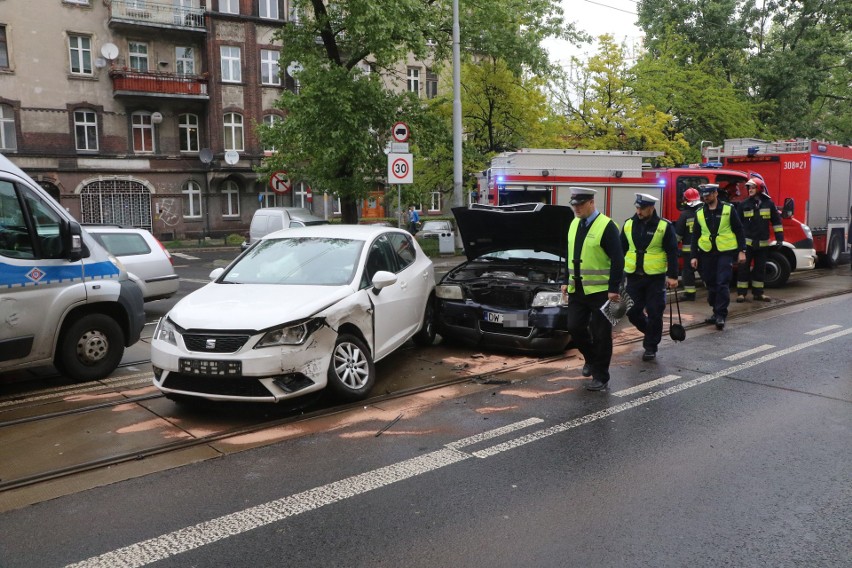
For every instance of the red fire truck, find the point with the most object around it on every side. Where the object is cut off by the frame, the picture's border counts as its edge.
(545, 175)
(816, 175)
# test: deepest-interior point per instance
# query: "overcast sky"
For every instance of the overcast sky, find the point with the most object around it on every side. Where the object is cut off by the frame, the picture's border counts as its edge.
(596, 17)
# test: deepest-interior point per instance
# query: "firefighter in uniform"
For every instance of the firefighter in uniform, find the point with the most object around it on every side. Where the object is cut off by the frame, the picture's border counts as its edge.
(650, 265)
(717, 240)
(683, 230)
(758, 213)
(595, 270)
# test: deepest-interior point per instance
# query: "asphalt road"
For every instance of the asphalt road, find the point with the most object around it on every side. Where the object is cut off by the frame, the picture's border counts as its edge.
(721, 453)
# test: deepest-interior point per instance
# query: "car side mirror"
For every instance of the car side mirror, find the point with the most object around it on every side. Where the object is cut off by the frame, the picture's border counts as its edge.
(383, 279)
(789, 208)
(73, 236)
(216, 273)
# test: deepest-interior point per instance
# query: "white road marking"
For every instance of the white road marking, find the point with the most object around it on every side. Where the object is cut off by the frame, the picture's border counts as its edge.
(822, 330)
(207, 532)
(744, 354)
(184, 256)
(535, 436)
(646, 386)
(492, 433)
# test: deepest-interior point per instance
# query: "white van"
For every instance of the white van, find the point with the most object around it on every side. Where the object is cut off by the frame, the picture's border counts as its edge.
(63, 299)
(271, 219)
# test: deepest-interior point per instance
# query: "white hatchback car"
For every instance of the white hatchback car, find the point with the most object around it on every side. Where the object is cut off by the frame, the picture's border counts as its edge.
(304, 309)
(147, 261)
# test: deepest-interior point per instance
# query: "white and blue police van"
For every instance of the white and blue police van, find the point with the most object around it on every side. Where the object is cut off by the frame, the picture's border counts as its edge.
(63, 299)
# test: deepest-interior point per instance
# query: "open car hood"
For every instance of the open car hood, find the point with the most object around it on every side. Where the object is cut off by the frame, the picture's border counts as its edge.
(490, 228)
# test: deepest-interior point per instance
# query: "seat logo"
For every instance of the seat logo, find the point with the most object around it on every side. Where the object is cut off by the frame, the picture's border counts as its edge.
(210, 344)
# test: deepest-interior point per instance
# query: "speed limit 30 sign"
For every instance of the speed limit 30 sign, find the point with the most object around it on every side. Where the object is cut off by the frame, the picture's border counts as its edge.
(400, 168)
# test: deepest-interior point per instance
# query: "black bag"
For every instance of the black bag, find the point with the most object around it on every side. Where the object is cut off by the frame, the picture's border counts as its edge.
(676, 330)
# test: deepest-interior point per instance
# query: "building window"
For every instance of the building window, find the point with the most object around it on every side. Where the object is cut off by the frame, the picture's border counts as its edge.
(269, 199)
(270, 120)
(191, 199)
(4, 49)
(86, 130)
(300, 195)
(143, 132)
(231, 69)
(229, 6)
(269, 72)
(8, 139)
(184, 61)
(234, 132)
(188, 132)
(431, 85)
(414, 80)
(80, 50)
(138, 56)
(230, 199)
(435, 201)
(269, 9)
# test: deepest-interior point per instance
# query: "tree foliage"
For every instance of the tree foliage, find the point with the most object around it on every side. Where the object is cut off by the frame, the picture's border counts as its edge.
(789, 59)
(337, 127)
(603, 111)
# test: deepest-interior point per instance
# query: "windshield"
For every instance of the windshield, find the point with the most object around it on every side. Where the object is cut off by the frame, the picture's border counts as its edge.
(435, 226)
(313, 261)
(519, 254)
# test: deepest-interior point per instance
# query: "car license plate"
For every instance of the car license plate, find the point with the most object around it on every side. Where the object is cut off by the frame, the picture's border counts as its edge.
(211, 368)
(507, 320)
(493, 317)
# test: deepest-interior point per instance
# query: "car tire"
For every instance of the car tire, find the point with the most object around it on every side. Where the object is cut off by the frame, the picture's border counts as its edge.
(351, 372)
(777, 270)
(832, 256)
(90, 348)
(426, 335)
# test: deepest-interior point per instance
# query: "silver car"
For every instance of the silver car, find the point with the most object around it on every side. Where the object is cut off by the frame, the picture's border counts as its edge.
(147, 261)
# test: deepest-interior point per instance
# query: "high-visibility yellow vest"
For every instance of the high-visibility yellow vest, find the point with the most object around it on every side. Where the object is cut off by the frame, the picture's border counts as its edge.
(594, 262)
(654, 258)
(725, 238)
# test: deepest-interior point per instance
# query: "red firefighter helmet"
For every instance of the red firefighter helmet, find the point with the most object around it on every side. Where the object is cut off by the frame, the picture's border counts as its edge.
(692, 197)
(759, 185)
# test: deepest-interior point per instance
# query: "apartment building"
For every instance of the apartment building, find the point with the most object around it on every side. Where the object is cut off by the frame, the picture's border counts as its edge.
(143, 113)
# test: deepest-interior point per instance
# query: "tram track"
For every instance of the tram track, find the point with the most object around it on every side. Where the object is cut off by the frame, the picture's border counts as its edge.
(294, 413)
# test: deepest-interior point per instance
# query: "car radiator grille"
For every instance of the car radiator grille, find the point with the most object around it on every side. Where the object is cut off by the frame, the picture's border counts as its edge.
(226, 386)
(503, 297)
(220, 343)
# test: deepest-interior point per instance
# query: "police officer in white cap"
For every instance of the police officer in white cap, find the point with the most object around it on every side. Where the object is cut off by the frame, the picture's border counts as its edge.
(717, 242)
(650, 265)
(595, 270)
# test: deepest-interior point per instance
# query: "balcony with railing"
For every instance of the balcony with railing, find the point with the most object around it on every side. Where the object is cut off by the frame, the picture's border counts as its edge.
(129, 82)
(147, 13)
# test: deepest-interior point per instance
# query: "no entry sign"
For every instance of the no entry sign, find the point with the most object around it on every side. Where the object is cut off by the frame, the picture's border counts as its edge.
(279, 182)
(400, 168)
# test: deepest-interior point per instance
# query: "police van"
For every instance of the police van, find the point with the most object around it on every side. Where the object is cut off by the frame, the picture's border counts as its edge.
(63, 299)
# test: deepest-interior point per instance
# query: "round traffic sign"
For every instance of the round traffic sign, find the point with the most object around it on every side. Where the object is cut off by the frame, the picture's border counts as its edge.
(279, 182)
(400, 169)
(400, 132)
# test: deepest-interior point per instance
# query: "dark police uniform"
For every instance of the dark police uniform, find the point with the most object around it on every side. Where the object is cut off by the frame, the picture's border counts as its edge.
(595, 269)
(717, 238)
(650, 256)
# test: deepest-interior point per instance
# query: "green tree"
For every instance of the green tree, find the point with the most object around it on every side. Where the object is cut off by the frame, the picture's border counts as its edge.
(703, 104)
(602, 110)
(338, 125)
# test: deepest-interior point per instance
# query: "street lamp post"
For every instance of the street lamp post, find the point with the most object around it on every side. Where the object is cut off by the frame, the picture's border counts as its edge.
(206, 157)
